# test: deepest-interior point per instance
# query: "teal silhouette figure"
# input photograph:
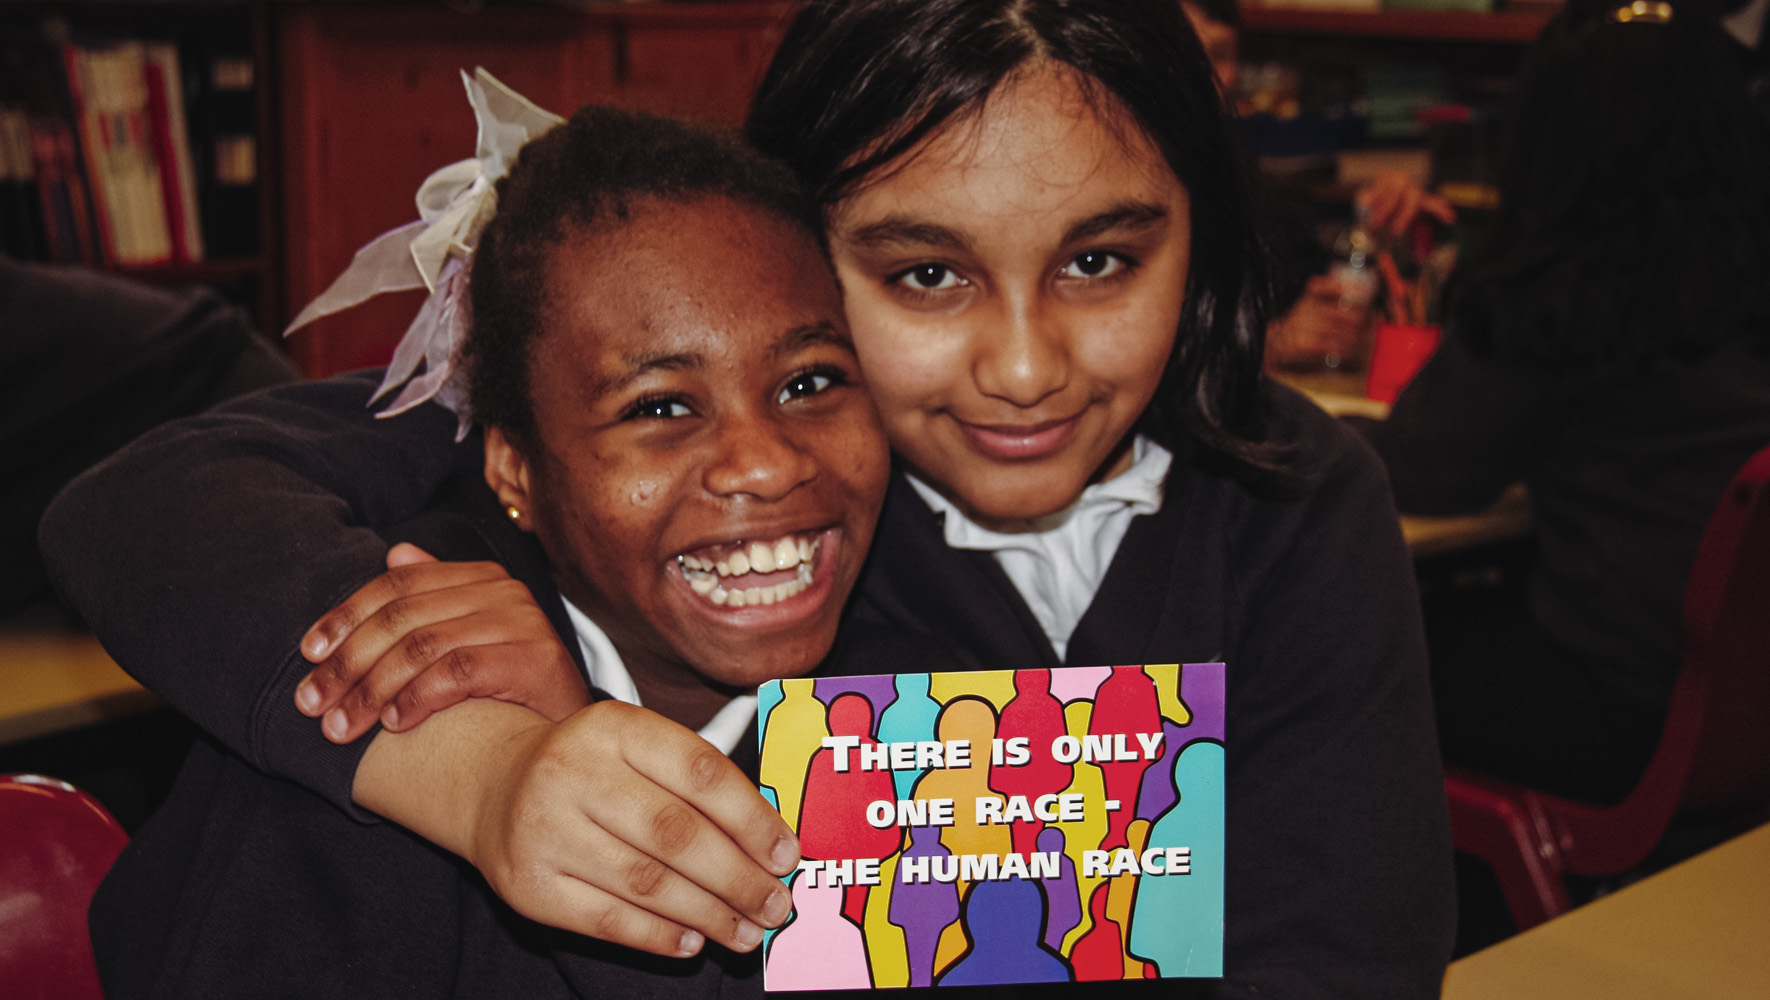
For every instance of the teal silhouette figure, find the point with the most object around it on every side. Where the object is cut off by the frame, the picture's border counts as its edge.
(909, 717)
(1177, 920)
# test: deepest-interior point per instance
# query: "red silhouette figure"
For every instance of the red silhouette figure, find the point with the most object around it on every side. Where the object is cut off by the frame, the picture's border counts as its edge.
(1035, 713)
(833, 820)
(1100, 954)
(1126, 703)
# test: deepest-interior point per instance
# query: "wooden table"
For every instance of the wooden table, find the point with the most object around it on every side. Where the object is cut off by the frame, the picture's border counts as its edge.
(1342, 394)
(1699, 930)
(53, 680)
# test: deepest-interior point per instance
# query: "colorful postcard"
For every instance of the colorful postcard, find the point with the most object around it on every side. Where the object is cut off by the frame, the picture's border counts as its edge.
(1002, 826)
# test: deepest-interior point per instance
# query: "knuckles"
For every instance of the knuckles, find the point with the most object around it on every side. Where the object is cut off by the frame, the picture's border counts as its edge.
(673, 828)
(707, 769)
(646, 877)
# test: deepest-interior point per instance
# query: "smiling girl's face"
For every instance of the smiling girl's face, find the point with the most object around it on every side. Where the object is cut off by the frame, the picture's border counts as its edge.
(1014, 285)
(709, 468)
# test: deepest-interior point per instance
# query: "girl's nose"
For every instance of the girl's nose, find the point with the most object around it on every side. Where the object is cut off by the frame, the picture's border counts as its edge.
(759, 459)
(1025, 359)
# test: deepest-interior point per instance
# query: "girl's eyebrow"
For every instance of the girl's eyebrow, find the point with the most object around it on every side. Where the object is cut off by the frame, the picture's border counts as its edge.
(810, 335)
(902, 230)
(641, 364)
(1124, 216)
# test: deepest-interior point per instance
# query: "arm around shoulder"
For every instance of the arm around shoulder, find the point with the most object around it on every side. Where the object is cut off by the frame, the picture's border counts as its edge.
(201, 552)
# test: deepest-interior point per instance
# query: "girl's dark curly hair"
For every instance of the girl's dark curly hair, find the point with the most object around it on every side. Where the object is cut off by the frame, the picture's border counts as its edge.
(586, 173)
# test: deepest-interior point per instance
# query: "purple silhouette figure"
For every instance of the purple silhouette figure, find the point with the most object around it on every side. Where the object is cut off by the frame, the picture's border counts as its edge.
(1064, 898)
(923, 909)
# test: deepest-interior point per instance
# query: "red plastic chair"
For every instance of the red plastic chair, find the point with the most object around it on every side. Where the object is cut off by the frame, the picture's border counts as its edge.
(56, 843)
(1713, 755)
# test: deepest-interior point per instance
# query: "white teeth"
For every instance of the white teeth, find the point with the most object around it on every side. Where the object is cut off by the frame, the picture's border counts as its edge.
(704, 574)
(786, 554)
(762, 558)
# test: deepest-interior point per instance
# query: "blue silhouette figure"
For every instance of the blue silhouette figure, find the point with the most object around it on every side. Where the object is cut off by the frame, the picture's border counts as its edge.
(1006, 920)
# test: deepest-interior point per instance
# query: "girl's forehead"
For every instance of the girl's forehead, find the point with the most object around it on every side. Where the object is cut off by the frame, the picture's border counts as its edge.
(1047, 121)
(1047, 141)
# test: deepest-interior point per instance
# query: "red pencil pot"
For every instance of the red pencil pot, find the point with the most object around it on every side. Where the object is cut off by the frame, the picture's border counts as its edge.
(1397, 352)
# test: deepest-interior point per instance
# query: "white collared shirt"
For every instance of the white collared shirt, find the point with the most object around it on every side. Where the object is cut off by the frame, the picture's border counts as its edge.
(607, 672)
(1058, 562)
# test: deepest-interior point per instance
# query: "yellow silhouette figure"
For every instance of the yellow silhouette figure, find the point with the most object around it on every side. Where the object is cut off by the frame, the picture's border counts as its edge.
(1124, 892)
(887, 951)
(1167, 692)
(967, 719)
(994, 686)
(796, 730)
(1086, 834)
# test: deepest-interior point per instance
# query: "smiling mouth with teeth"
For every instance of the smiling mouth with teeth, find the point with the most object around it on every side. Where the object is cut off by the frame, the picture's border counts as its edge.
(752, 574)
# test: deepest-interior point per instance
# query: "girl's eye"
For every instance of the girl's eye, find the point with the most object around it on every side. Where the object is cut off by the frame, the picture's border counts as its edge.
(658, 408)
(1094, 264)
(930, 278)
(811, 383)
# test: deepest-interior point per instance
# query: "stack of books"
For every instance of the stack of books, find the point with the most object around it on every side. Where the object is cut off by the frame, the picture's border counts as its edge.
(102, 161)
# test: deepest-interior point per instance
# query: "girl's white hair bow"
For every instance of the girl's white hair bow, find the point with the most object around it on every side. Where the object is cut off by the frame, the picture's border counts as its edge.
(454, 205)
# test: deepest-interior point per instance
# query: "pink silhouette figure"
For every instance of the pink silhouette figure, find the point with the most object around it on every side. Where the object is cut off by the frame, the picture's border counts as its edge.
(820, 949)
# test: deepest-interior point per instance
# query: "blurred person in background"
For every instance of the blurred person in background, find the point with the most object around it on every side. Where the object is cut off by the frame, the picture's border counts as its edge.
(1610, 348)
(87, 362)
(1320, 317)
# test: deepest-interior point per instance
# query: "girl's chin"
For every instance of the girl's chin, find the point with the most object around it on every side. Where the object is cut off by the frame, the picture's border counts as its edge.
(746, 669)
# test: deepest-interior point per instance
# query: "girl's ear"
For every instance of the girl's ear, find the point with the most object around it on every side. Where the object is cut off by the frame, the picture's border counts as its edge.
(507, 473)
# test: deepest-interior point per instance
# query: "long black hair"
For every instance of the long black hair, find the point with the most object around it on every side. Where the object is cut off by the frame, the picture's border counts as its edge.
(587, 172)
(855, 84)
(1635, 204)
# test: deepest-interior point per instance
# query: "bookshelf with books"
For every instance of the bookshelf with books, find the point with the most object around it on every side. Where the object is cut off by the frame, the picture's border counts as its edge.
(1381, 86)
(311, 123)
(132, 139)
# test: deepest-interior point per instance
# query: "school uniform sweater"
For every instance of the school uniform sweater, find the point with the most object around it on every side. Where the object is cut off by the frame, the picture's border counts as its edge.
(259, 877)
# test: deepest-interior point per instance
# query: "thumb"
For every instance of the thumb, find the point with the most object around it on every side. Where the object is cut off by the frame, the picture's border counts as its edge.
(407, 554)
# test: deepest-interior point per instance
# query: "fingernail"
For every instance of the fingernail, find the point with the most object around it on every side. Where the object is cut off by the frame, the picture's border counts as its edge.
(315, 647)
(775, 911)
(690, 943)
(307, 698)
(390, 718)
(785, 857)
(747, 935)
(335, 725)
